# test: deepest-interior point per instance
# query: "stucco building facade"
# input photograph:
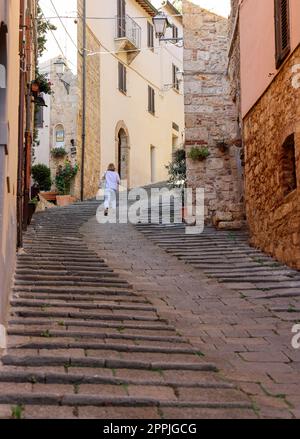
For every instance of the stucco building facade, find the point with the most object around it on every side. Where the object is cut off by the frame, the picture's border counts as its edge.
(141, 107)
(270, 98)
(211, 117)
(17, 62)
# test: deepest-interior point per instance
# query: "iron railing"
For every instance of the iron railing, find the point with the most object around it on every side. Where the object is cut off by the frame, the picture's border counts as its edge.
(126, 27)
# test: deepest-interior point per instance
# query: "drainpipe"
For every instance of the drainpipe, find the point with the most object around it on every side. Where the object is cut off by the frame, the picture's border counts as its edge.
(28, 127)
(20, 189)
(84, 62)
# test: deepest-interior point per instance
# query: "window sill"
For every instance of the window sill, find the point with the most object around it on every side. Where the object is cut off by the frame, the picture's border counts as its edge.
(124, 93)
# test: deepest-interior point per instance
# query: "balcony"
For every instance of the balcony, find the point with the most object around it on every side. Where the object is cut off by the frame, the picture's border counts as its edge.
(128, 37)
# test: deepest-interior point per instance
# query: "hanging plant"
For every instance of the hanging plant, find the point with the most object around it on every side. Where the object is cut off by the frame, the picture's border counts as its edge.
(198, 154)
(58, 153)
(42, 82)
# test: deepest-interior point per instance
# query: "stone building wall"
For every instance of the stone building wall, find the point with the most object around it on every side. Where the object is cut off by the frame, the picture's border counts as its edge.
(274, 215)
(211, 116)
(64, 108)
(92, 148)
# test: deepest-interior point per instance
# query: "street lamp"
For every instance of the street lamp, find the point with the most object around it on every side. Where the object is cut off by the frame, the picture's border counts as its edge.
(60, 68)
(161, 22)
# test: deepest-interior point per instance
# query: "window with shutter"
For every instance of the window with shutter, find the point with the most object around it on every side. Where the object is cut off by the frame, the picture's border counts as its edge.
(174, 31)
(122, 78)
(175, 77)
(150, 35)
(151, 100)
(121, 18)
(282, 30)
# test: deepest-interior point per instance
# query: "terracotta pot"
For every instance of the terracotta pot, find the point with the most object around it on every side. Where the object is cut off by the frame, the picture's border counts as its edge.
(64, 200)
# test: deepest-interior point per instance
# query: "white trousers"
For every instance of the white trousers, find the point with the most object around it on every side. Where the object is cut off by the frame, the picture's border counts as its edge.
(110, 199)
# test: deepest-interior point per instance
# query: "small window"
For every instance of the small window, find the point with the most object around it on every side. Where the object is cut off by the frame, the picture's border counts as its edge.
(121, 20)
(59, 135)
(282, 30)
(175, 77)
(174, 31)
(289, 165)
(39, 117)
(151, 100)
(150, 35)
(122, 78)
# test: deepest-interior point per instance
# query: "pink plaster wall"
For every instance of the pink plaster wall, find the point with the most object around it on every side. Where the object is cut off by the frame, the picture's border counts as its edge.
(258, 46)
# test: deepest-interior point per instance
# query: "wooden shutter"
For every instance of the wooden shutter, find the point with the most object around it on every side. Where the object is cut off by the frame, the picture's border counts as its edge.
(175, 31)
(150, 35)
(282, 30)
(122, 78)
(151, 100)
(121, 18)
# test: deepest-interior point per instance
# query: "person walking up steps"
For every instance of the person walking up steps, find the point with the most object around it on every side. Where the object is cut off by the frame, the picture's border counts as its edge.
(112, 182)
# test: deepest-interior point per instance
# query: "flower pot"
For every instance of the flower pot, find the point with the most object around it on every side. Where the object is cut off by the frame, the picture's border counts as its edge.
(64, 200)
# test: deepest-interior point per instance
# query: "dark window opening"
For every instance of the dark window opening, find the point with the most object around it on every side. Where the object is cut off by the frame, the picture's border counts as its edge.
(175, 70)
(174, 31)
(282, 30)
(151, 100)
(121, 18)
(150, 35)
(122, 78)
(39, 117)
(289, 165)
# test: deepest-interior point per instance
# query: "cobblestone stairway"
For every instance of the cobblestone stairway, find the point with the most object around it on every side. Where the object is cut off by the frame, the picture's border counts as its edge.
(228, 258)
(83, 344)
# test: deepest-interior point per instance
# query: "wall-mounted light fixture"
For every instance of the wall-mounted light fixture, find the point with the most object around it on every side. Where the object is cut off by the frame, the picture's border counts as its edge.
(60, 68)
(161, 23)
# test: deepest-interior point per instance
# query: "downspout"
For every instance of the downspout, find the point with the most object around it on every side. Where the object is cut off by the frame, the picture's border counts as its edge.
(84, 57)
(28, 132)
(20, 188)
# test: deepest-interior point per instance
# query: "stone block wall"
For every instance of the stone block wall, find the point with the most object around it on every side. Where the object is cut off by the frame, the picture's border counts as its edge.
(92, 148)
(274, 215)
(211, 116)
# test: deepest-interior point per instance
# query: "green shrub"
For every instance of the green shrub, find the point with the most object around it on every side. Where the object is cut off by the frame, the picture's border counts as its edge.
(198, 154)
(177, 168)
(41, 175)
(64, 176)
(58, 152)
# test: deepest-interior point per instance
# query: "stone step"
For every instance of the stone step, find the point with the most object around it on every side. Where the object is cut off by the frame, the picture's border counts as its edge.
(106, 363)
(92, 306)
(93, 335)
(25, 313)
(34, 377)
(92, 283)
(151, 326)
(99, 298)
(86, 345)
(73, 400)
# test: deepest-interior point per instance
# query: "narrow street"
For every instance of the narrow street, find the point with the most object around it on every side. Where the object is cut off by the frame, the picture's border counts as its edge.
(100, 328)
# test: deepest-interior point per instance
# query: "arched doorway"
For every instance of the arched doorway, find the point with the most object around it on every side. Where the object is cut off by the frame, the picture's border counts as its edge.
(122, 151)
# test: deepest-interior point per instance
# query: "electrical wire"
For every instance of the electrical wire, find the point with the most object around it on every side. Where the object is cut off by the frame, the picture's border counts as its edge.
(57, 43)
(63, 25)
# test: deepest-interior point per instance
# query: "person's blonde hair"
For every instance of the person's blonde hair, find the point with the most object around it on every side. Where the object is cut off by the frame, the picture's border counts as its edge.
(111, 167)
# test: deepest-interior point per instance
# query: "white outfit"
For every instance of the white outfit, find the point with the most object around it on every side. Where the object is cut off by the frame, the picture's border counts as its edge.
(112, 182)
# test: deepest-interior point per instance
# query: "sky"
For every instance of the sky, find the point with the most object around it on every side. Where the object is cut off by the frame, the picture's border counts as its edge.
(68, 8)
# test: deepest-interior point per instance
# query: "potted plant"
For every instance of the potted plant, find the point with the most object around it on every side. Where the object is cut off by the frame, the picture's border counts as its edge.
(58, 153)
(198, 154)
(63, 180)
